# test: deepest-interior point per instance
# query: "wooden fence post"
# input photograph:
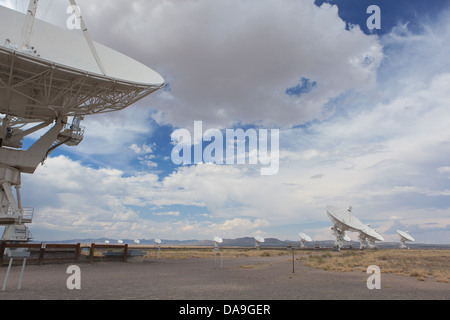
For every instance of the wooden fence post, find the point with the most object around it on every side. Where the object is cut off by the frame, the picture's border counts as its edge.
(77, 252)
(125, 253)
(91, 258)
(41, 253)
(2, 252)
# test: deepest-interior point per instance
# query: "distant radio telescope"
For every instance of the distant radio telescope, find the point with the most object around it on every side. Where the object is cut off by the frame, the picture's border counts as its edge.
(404, 236)
(343, 220)
(258, 240)
(304, 238)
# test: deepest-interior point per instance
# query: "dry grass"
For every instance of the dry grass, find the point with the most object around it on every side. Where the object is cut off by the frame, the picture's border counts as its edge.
(416, 263)
(208, 252)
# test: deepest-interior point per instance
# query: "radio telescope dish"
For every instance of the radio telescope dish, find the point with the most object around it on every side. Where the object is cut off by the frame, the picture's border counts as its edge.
(137, 241)
(63, 78)
(258, 240)
(218, 240)
(347, 238)
(48, 74)
(404, 236)
(370, 235)
(119, 241)
(304, 238)
(107, 241)
(157, 244)
(344, 220)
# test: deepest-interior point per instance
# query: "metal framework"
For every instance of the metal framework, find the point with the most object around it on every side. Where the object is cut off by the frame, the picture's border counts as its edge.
(36, 89)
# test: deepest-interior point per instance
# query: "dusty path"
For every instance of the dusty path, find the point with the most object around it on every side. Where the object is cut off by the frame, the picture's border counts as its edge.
(246, 278)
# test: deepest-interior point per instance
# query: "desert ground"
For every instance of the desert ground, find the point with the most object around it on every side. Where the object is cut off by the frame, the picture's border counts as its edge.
(239, 275)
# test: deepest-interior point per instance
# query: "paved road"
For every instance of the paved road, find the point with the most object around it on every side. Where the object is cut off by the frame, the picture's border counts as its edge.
(246, 278)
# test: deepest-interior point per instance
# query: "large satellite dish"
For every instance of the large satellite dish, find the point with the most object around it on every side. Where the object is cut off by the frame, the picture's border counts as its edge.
(217, 240)
(369, 235)
(304, 238)
(63, 78)
(258, 240)
(48, 74)
(157, 244)
(404, 236)
(343, 220)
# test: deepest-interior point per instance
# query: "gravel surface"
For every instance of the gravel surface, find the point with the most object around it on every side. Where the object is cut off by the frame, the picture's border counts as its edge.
(243, 278)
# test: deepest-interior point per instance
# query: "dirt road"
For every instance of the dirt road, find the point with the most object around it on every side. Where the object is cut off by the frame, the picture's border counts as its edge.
(243, 278)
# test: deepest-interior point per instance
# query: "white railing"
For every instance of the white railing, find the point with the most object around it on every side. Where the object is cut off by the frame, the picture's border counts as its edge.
(22, 216)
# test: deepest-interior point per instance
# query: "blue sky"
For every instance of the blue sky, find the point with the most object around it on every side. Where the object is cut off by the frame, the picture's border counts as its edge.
(362, 116)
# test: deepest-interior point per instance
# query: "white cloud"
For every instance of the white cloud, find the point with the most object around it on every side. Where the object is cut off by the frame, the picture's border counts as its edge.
(168, 213)
(145, 149)
(111, 133)
(237, 227)
(229, 61)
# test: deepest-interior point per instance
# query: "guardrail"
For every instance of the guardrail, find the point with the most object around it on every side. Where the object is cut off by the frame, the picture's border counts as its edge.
(39, 250)
(43, 252)
(51, 252)
(24, 215)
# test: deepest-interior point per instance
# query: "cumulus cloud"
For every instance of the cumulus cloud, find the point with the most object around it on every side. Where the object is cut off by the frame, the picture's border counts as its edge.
(238, 227)
(231, 62)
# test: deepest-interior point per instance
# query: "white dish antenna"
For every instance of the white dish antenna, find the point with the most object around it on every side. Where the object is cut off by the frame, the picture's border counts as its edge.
(347, 238)
(119, 241)
(107, 241)
(343, 220)
(259, 239)
(217, 242)
(62, 57)
(137, 241)
(157, 244)
(372, 233)
(304, 238)
(48, 74)
(404, 236)
(369, 235)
